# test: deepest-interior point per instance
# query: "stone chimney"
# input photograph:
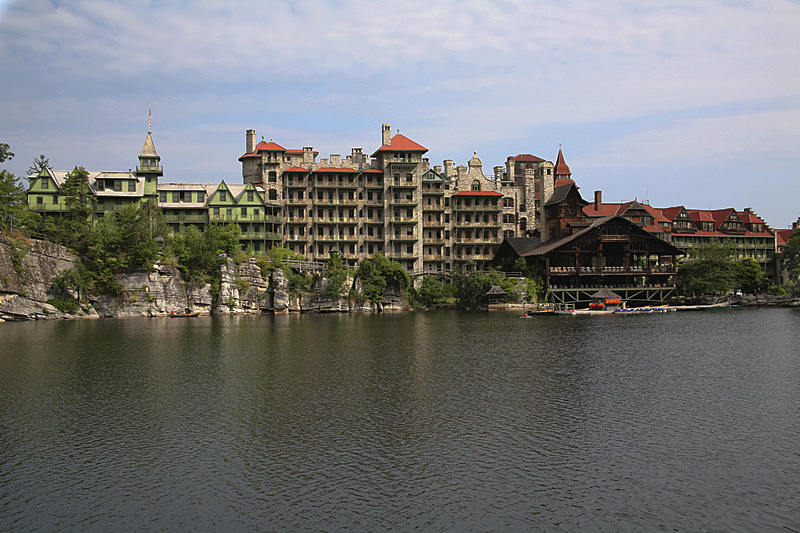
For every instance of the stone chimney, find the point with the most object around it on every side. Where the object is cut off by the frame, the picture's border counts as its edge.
(498, 173)
(336, 160)
(448, 167)
(598, 200)
(386, 137)
(308, 155)
(547, 193)
(437, 169)
(251, 142)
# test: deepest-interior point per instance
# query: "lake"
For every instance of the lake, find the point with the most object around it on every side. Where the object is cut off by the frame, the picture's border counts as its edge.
(445, 421)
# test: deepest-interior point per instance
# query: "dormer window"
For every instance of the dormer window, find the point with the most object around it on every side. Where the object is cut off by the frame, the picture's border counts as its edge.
(223, 196)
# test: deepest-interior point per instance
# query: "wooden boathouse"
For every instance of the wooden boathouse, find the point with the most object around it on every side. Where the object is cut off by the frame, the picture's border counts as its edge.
(609, 253)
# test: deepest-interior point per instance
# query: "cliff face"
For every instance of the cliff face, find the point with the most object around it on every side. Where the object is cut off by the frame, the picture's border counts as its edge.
(27, 269)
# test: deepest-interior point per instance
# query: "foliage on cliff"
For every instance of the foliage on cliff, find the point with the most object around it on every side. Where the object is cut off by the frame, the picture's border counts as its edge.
(378, 273)
(199, 253)
(276, 258)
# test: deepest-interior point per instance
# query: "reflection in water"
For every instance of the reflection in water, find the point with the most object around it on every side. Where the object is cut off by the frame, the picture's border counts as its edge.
(433, 421)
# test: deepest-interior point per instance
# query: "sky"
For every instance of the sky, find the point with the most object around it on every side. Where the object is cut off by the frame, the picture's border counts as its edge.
(693, 103)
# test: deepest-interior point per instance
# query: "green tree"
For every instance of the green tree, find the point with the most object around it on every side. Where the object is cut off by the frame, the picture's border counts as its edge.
(13, 203)
(713, 270)
(5, 152)
(199, 254)
(40, 163)
(336, 275)
(791, 255)
(747, 275)
(431, 291)
(378, 273)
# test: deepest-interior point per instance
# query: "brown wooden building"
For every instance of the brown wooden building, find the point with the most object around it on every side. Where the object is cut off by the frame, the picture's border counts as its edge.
(610, 252)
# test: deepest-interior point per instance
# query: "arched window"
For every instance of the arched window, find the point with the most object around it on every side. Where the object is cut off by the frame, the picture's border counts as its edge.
(476, 185)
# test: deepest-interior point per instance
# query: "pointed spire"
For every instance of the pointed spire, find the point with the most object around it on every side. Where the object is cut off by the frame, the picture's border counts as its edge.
(149, 149)
(561, 166)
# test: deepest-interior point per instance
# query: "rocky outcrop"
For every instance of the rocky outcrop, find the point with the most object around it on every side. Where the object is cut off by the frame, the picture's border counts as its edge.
(27, 269)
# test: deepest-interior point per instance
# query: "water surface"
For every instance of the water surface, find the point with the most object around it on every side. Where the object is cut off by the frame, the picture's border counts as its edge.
(429, 421)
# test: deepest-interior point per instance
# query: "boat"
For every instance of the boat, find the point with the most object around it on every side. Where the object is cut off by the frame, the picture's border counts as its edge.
(532, 314)
(173, 314)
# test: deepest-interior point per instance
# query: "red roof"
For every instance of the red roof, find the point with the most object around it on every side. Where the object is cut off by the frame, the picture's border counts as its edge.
(564, 181)
(783, 236)
(248, 155)
(264, 146)
(296, 151)
(478, 193)
(670, 213)
(332, 169)
(528, 157)
(401, 143)
(296, 169)
(750, 218)
(701, 216)
(374, 171)
(561, 167)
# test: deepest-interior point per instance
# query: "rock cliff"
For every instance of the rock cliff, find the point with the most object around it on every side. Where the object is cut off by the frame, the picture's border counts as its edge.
(27, 269)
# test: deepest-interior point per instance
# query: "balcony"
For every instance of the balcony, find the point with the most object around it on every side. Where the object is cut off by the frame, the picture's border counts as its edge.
(403, 238)
(433, 224)
(495, 207)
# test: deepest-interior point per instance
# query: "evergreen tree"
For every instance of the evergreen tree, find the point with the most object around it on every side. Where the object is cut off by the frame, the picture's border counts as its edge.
(40, 163)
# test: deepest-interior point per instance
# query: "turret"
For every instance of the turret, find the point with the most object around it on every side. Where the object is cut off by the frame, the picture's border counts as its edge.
(149, 166)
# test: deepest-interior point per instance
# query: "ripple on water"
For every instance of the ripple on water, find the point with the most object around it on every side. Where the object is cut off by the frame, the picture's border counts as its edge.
(440, 421)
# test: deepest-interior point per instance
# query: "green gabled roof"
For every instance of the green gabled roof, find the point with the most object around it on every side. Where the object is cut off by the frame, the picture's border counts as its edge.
(432, 175)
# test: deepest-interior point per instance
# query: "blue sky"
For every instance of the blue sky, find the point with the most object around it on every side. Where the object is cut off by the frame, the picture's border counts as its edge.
(692, 103)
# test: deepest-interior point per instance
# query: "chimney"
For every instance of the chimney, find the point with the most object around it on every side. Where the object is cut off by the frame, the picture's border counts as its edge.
(546, 193)
(336, 160)
(437, 169)
(795, 225)
(598, 200)
(498, 173)
(251, 142)
(386, 138)
(448, 167)
(308, 155)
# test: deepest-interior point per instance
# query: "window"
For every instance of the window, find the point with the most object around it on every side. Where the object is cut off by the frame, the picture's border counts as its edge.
(55, 199)
(118, 185)
(249, 196)
(46, 183)
(201, 197)
(476, 185)
(162, 197)
(273, 194)
(176, 197)
(273, 176)
(39, 200)
(223, 196)
(244, 211)
(508, 201)
(101, 186)
(216, 211)
(131, 186)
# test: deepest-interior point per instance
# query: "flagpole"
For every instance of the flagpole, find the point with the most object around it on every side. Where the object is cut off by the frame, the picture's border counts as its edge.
(149, 120)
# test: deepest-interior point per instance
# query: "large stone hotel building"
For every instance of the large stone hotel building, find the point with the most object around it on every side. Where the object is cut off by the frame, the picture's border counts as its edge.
(429, 219)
